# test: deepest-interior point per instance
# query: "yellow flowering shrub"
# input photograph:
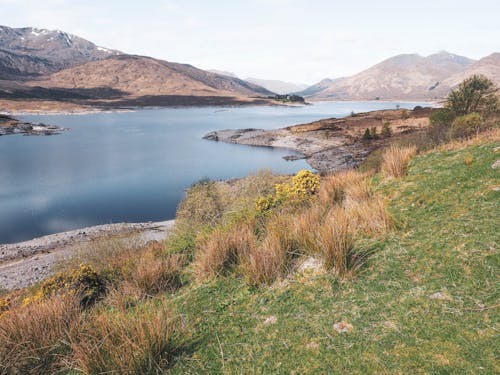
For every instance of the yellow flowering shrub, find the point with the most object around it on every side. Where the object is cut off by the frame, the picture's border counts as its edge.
(304, 185)
(4, 306)
(84, 281)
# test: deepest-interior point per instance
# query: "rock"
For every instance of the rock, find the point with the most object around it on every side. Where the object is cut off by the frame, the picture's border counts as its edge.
(212, 136)
(496, 149)
(271, 320)
(496, 164)
(342, 327)
(440, 296)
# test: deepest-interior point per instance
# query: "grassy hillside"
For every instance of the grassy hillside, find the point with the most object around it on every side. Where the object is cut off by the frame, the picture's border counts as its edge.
(425, 302)
(424, 299)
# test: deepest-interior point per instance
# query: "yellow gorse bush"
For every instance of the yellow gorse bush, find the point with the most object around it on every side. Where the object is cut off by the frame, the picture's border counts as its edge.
(304, 185)
(84, 281)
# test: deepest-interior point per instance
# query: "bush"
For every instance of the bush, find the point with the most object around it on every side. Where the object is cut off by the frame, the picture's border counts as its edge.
(83, 281)
(467, 125)
(204, 205)
(305, 184)
(442, 117)
(396, 161)
(404, 114)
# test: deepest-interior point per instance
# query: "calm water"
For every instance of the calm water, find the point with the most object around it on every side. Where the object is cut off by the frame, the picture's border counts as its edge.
(135, 166)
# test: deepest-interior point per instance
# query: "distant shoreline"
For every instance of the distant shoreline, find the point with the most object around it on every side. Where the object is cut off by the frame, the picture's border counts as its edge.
(101, 110)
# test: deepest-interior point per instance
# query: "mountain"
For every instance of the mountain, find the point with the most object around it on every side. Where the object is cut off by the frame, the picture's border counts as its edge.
(488, 66)
(54, 65)
(408, 76)
(136, 76)
(317, 87)
(278, 87)
(223, 73)
(30, 52)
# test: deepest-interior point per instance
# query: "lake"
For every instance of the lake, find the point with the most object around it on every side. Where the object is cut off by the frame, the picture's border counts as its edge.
(134, 166)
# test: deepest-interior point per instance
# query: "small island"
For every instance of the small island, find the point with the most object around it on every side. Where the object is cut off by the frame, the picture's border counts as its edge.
(10, 125)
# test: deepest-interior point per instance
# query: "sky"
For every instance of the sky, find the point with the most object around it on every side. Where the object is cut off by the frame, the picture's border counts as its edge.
(292, 40)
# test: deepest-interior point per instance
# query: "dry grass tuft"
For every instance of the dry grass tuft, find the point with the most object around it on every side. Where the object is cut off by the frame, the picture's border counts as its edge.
(270, 261)
(370, 217)
(333, 187)
(336, 240)
(138, 342)
(34, 338)
(154, 275)
(304, 229)
(396, 161)
(223, 248)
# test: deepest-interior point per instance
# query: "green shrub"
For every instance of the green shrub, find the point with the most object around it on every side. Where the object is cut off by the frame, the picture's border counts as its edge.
(386, 130)
(442, 117)
(367, 135)
(467, 125)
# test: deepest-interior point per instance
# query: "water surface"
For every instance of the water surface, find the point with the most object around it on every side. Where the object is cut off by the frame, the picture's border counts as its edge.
(134, 166)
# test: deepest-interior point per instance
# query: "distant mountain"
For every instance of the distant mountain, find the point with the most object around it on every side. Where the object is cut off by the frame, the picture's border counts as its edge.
(29, 52)
(54, 65)
(223, 73)
(317, 87)
(278, 87)
(136, 76)
(488, 66)
(408, 76)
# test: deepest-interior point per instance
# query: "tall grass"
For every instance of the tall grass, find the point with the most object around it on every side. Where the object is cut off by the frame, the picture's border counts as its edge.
(154, 275)
(223, 248)
(333, 187)
(396, 160)
(34, 338)
(336, 241)
(271, 259)
(370, 217)
(128, 342)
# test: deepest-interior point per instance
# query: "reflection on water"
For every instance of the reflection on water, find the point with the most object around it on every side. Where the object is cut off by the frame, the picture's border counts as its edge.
(135, 166)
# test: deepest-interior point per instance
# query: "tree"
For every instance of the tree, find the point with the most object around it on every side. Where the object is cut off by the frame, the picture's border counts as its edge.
(386, 130)
(373, 133)
(475, 94)
(367, 136)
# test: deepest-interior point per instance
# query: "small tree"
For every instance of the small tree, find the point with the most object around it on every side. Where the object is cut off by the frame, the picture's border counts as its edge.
(366, 135)
(475, 94)
(386, 130)
(373, 133)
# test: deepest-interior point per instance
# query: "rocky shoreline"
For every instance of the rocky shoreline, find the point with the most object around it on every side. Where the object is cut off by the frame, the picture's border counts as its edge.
(25, 263)
(10, 125)
(323, 154)
(332, 144)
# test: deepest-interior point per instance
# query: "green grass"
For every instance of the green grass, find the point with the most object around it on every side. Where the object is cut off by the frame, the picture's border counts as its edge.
(446, 242)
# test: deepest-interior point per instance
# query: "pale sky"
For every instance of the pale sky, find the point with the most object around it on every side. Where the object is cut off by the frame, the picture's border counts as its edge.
(292, 40)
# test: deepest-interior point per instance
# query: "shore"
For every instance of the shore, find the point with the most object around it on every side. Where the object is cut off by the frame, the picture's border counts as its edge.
(25, 263)
(333, 144)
